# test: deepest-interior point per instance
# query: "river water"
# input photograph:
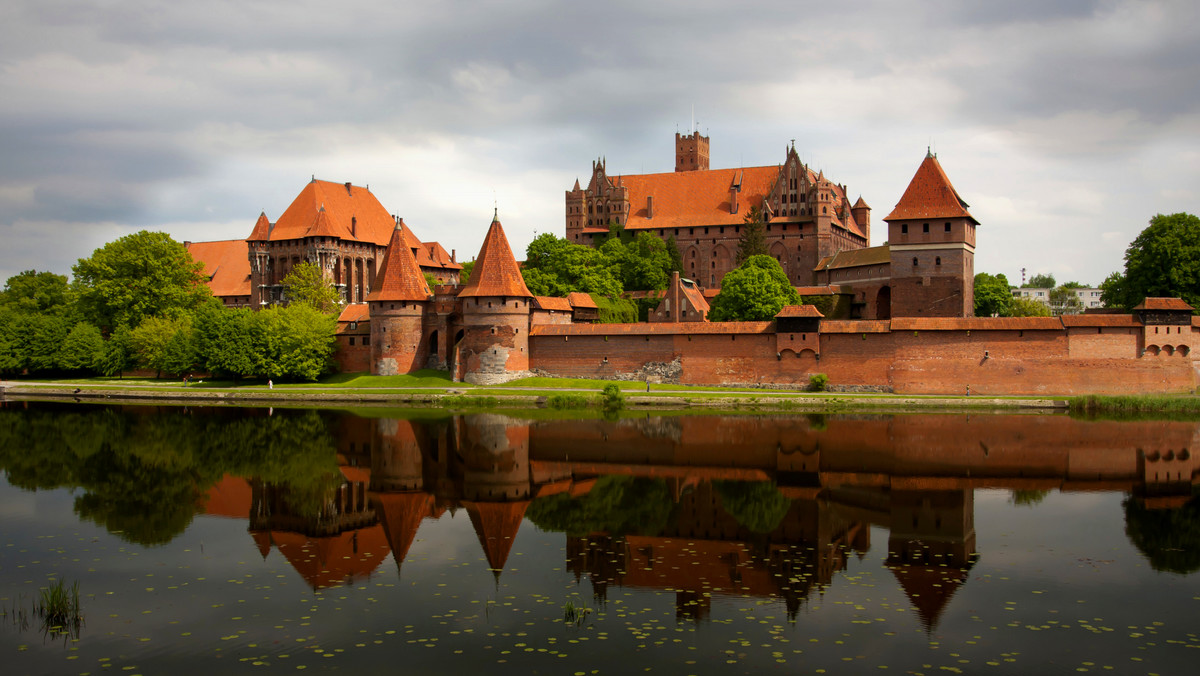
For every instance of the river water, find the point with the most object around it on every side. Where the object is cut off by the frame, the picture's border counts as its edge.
(265, 540)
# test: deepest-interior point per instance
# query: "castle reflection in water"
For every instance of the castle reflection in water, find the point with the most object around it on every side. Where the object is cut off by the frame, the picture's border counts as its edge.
(681, 510)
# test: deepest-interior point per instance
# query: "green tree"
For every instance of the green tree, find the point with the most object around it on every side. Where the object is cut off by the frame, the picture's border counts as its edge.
(753, 239)
(465, 274)
(1163, 261)
(676, 257)
(33, 292)
(1028, 307)
(757, 505)
(82, 350)
(993, 296)
(1064, 301)
(305, 284)
(299, 342)
(644, 261)
(755, 291)
(563, 267)
(1040, 281)
(1114, 292)
(146, 274)
(164, 344)
(118, 352)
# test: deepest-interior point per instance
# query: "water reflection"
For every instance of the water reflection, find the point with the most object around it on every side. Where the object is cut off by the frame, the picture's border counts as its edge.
(769, 507)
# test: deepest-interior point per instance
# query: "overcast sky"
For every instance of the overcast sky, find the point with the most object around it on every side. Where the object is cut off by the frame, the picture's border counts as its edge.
(1066, 124)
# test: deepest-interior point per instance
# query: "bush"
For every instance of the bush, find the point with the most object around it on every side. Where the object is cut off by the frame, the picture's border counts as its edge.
(562, 401)
(817, 382)
(613, 398)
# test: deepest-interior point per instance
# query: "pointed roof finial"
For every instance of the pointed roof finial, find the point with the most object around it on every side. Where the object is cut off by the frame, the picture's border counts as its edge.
(928, 151)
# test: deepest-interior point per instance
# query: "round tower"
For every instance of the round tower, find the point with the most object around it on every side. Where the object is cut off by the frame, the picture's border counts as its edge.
(494, 343)
(398, 305)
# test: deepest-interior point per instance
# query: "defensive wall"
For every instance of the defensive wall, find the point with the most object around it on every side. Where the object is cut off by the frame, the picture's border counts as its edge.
(1082, 354)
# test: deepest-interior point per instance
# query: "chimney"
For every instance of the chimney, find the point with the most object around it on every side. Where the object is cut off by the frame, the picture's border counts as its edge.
(733, 202)
(452, 256)
(649, 206)
(354, 226)
(348, 188)
(674, 295)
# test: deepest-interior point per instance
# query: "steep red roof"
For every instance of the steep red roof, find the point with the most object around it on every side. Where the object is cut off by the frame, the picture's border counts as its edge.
(930, 195)
(353, 213)
(322, 226)
(1164, 304)
(226, 264)
(695, 297)
(799, 311)
(495, 272)
(496, 525)
(433, 255)
(262, 229)
(399, 278)
(354, 312)
(401, 515)
(334, 560)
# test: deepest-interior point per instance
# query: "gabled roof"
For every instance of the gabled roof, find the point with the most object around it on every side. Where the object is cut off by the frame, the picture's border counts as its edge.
(495, 272)
(695, 296)
(226, 264)
(852, 258)
(434, 256)
(354, 312)
(262, 229)
(323, 227)
(399, 278)
(353, 213)
(581, 299)
(930, 195)
(799, 311)
(1164, 304)
(552, 303)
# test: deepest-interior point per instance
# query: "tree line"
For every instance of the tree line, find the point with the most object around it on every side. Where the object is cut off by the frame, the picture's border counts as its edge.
(142, 302)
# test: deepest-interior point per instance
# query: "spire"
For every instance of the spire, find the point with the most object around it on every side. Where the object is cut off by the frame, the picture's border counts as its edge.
(401, 514)
(496, 272)
(322, 226)
(262, 229)
(930, 195)
(399, 277)
(496, 525)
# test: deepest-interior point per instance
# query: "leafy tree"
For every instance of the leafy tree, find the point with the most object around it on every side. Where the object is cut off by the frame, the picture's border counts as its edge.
(993, 296)
(82, 350)
(616, 505)
(644, 261)
(1063, 300)
(118, 352)
(465, 273)
(1028, 307)
(1040, 281)
(1027, 497)
(615, 310)
(164, 345)
(1169, 538)
(300, 342)
(306, 285)
(755, 291)
(563, 267)
(146, 274)
(753, 240)
(676, 257)
(33, 292)
(1164, 260)
(1114, 292)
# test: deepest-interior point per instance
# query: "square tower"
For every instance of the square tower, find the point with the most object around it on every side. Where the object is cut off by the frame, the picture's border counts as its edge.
(691, 152)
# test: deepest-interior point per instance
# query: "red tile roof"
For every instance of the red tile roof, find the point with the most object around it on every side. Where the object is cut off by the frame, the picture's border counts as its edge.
(551, 303)
(399, 278)
(1164, 304)
(694, 296)
(226, 264)
(354, 312)
(323, 227)
(262, 229)
(1094, 320)
(977, 324)
(645, 329)
(930, 195)
(851, 258)
(827, 290)
(581, 299)
(353, 212)
(495, 272)
(799, 311)
(434, 256)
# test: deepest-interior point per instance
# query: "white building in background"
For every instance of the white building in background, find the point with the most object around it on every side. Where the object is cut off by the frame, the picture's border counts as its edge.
(1088, 298)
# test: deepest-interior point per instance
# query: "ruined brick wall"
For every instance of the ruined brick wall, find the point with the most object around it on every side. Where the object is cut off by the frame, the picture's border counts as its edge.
(398, 339)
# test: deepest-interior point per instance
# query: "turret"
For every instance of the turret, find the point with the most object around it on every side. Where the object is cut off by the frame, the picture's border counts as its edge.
(398, 304)
(496, 304)
(691, 152)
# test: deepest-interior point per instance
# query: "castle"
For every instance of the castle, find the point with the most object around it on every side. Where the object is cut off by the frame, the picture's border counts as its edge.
(910, 328)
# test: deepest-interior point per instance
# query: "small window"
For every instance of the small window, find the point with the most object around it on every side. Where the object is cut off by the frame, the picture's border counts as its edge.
(937, 261)
(914, 262)
(366, 340)
(904, 229)
(947, 227)
(924, 227)
(351, 340)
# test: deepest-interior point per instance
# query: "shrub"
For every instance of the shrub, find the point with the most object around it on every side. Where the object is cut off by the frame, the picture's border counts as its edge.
(817, 382)
(561, 401)
(612, 397)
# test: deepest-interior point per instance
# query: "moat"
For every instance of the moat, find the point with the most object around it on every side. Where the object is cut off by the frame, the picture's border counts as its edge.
(276, 540)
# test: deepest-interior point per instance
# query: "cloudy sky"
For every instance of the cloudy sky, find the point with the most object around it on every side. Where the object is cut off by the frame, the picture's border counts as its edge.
(1066, 124)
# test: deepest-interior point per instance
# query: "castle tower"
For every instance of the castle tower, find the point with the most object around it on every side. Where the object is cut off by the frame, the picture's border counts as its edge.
(260, 261)
(576, 213)
(932, 240)
(822, 199)
(398, 305)
(862, 216)
(494, 346)
(691, 152)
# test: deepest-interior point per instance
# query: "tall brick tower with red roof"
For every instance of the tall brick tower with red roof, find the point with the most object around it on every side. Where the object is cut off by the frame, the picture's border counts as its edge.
(399, 310)
(932, 240)
(494, 342)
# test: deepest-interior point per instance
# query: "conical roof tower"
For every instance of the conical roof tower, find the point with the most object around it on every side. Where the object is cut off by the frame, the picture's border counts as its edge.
(496, 272)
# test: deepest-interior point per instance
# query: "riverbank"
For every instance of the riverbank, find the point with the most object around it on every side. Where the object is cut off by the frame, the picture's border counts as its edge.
(529, 393)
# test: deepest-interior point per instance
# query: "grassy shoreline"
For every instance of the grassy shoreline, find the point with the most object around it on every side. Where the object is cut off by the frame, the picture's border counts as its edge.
(435, 389)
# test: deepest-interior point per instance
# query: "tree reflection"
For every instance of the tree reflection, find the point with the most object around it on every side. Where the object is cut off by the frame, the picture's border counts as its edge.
(615, 505)
(756, 505)
(1169, 538)
(144, 474)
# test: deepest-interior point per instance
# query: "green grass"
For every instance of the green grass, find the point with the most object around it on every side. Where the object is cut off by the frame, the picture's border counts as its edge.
(1136, 406)
(58, 606)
